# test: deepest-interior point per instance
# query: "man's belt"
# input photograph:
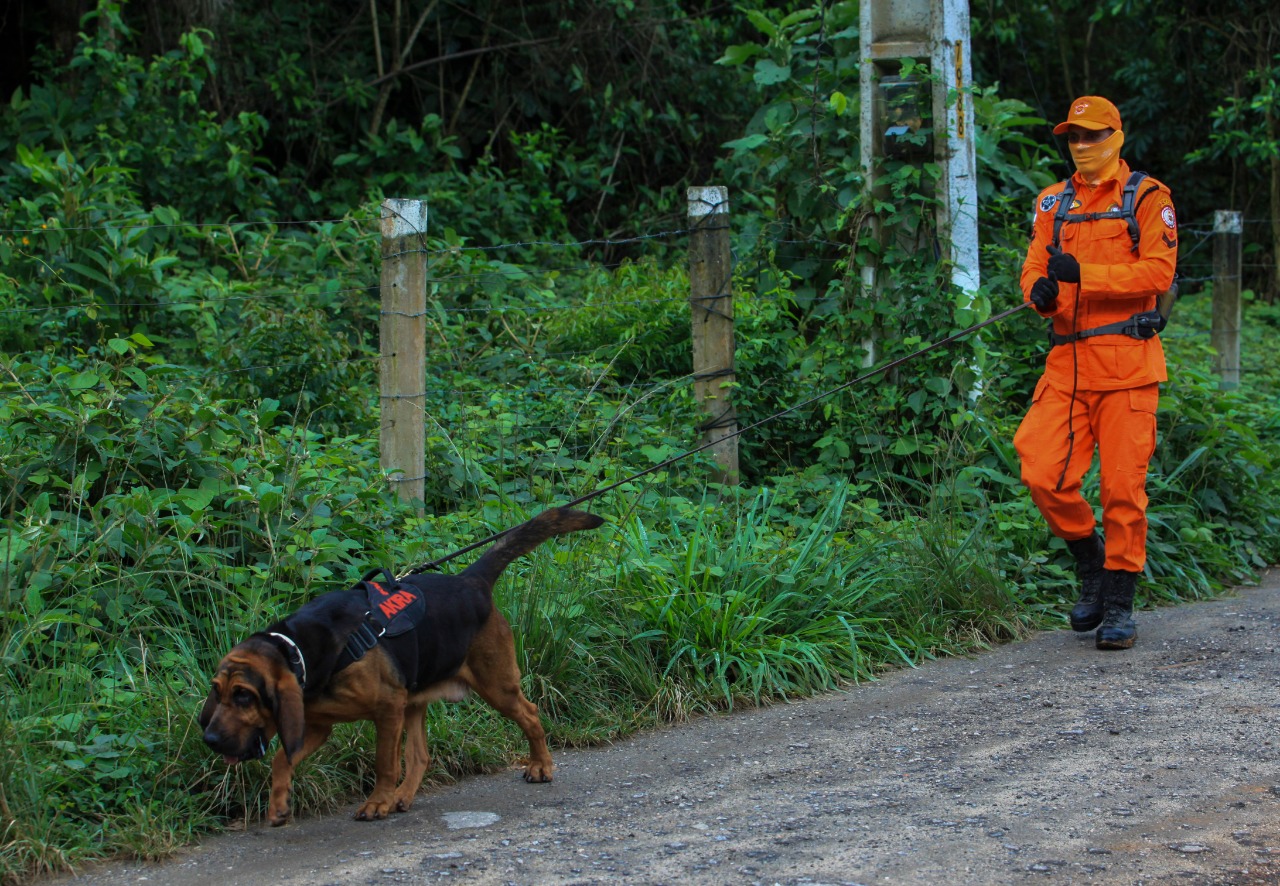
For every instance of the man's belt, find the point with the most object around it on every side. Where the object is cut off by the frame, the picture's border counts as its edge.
(1143, 325)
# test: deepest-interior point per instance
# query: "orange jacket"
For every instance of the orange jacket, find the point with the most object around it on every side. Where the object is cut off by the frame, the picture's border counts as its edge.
(1114, 282)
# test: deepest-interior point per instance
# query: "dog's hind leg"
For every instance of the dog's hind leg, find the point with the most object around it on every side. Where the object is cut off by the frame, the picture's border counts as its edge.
(491, 671)
(282, 772)
(417, 757)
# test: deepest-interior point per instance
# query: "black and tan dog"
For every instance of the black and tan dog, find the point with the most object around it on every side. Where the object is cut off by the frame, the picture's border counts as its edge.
(380, 652)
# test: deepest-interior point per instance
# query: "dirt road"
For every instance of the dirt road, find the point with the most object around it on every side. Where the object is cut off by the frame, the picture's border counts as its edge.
(1044, 761)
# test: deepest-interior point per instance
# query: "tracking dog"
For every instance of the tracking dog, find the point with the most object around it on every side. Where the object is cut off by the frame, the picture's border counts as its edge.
(380, 652)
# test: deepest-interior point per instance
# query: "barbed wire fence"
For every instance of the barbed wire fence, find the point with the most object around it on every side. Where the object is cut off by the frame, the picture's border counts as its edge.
(427, 413)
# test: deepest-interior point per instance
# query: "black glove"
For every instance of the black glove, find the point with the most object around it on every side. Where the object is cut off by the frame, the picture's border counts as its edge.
(1044, 295)
(1063, 266)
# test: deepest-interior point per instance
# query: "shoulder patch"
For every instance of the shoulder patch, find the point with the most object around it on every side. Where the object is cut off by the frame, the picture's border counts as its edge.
(1049, 201)
(1170, 219)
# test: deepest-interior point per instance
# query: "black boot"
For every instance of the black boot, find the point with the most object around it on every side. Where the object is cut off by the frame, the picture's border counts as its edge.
(1090, 556)
(1118, 630)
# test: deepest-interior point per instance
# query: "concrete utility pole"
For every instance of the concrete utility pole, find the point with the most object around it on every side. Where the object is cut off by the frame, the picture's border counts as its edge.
(936, 31)
(953, 111)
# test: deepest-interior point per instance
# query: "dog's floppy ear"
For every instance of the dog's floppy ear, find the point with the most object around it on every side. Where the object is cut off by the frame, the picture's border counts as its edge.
(290, 722)
(210, 705)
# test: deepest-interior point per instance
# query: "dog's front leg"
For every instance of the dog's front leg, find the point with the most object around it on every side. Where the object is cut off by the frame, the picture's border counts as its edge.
(389, 723)
(417, 758)
(282, 773)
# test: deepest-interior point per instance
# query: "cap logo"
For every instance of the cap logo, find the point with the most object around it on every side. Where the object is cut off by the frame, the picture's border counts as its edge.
(1081, 108)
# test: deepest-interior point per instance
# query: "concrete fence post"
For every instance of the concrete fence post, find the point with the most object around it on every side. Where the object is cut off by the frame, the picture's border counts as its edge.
(711, 302)
(402, 329)
(1228, 226)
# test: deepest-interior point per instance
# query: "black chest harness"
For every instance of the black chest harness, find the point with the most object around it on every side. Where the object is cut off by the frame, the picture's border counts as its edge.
(1144, 324)
(395, 609)
(392, 611)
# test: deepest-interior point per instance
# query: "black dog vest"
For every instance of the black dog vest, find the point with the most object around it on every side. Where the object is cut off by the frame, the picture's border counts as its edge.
(394, 611)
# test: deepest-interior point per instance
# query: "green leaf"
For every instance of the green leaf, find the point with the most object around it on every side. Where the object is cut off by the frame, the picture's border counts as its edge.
(197, 499)
(86, 271)
(82, 380)
(746, 143)
(762, 23)
(137, 376)
(35, 602)
(938, 385)
(769, 72)
(739, 53)
(797, 17)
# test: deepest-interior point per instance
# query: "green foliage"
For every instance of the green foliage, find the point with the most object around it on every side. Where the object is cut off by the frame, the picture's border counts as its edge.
(1243, 126)
(1244, 130)
(70, 278)
(1214, 484)
(798, 161)
(145, 121)
(809, 316)
(311, 92)
(739, 613)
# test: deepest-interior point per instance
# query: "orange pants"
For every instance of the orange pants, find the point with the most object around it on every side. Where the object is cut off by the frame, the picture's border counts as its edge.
(1122, 426)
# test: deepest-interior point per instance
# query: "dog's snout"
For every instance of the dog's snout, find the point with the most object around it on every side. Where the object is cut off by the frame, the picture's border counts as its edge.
(212, 738)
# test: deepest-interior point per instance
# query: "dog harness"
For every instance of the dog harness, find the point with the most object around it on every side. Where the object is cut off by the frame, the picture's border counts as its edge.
(394, 609)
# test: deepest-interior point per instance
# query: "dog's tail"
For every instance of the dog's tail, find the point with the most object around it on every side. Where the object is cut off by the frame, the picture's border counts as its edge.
(527, 536)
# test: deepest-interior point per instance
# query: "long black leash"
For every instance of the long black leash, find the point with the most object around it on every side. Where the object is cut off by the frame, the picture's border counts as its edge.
(649, 470)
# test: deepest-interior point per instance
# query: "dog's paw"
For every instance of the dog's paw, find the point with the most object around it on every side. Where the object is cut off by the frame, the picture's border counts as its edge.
(537, 774)
(277, 817)
(373, 811)
(403, 805)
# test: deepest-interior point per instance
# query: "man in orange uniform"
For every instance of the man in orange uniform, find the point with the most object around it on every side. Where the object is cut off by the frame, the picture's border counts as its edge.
(1097, 270)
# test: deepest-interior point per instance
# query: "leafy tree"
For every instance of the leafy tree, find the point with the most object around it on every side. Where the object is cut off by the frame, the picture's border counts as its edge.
(630, 80)
(1247, 128)
(818, 222)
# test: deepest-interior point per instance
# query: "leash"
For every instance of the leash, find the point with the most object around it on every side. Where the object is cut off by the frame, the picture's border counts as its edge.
(954, 337)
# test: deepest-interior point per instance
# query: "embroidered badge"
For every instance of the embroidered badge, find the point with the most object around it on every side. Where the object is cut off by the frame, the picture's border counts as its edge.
(1048, 202)
(1075, 204)
(1169, 219)
(1081, 108)
(397, 608)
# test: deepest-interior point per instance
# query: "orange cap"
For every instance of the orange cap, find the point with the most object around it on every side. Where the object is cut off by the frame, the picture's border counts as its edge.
(1091, 112)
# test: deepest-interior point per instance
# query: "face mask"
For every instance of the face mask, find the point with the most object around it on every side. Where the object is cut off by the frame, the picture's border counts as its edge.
(1100, 160)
